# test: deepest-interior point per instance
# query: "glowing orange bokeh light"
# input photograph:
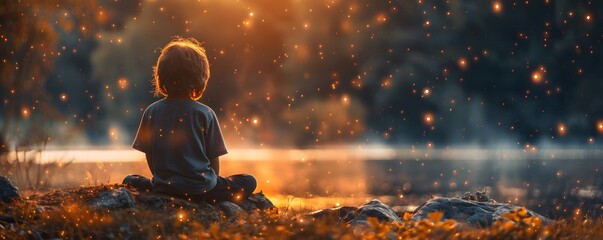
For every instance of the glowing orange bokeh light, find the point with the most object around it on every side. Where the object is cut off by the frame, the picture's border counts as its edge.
(463, 64)
(428, 118)
(122, 83)
(600, 126)
(25, 112)
(496, 7)
(426, 92)
(538, 75)
(561, 129)
(63, 97)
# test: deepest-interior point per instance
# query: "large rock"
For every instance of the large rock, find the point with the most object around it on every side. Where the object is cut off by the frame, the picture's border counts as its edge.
(8, 192)
(475, 213)
(376, 209)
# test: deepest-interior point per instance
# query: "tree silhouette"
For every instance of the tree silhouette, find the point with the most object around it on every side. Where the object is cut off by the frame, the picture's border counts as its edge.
(27, 53)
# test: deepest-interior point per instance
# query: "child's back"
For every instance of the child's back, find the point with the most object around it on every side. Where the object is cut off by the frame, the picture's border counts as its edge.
(180, 136)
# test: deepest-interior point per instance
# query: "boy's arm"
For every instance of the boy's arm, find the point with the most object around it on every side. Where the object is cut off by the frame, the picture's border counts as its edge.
(214, 163)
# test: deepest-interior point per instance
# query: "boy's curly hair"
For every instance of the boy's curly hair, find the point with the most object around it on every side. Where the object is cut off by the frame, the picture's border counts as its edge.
(182, 69)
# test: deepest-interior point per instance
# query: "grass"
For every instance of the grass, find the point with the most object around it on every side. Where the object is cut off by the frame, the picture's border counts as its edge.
(67, 217)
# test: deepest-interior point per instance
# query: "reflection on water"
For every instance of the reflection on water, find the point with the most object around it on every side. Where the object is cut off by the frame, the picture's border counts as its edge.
(555, 182)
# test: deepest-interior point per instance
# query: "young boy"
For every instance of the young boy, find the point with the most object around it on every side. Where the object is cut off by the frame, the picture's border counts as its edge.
(180, 136)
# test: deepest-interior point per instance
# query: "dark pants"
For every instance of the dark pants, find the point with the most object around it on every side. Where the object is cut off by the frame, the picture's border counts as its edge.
(234, 188)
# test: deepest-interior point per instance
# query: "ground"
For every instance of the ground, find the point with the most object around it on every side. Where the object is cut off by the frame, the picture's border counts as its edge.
(76, 214)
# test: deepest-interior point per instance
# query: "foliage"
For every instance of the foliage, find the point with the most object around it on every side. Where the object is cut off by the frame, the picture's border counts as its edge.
(26, 169)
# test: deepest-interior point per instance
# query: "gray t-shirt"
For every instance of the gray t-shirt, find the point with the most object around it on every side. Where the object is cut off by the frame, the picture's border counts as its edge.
(179, 138)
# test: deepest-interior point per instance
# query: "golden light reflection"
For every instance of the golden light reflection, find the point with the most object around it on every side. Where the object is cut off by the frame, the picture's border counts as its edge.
(530, 148)
(600, 126)
(113, 133)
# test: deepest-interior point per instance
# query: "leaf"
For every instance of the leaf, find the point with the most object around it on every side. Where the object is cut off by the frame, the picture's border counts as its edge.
(511, 216)
(435, 216)
(523, 212)
(449, 224)
(373, 221)
(508, 226)
(213, 230)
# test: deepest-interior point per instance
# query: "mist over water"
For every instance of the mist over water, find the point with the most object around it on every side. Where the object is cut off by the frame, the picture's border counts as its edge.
(555, 183)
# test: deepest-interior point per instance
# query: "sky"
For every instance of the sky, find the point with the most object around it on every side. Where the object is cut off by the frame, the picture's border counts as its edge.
(292, 73)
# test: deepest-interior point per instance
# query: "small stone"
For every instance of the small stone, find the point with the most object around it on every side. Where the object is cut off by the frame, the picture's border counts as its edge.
(343, 214)
(247, 205)
(483, 196)
(8, 192)
(376, 209)
(113, 199)
(261, 201)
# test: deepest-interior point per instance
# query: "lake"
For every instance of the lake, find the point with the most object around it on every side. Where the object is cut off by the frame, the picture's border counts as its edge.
(555, 183)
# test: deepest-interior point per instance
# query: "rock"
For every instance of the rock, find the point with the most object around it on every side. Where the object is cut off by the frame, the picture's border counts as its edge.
(8, 192)
(230, 209)
(358, 216)
(376, 209)
(247, 205)
(260, 201)
(117, 197)
(479, 197)
(113, 199)
(342, 214)
(151, 201)
(475, 213)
